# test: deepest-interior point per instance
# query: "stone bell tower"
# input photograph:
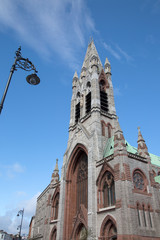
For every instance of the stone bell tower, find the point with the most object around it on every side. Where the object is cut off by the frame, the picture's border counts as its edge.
(92, 121)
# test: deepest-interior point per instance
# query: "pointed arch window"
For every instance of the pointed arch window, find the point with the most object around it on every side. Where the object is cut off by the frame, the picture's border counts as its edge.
(88, 102)
(104, 100)
(108, 190)
(108, 229)
(53, 234)
(55, 207)
(77, 113)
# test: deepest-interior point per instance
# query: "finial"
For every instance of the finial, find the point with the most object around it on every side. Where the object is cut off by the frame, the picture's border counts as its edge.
(90, 40)
(107, 61)
(56, 167)
(75, 75)
(140, 138)
(55, 174)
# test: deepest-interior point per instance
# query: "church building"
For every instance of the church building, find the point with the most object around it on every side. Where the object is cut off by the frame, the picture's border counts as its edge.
(108, 189)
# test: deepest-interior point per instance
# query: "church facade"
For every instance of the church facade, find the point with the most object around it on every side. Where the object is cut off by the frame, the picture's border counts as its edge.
(108, 189)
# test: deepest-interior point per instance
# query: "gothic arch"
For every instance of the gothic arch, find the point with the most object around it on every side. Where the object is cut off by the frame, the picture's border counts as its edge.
(76, 192)
(106, 187)
(80, 222)
(55, 204)
(53, 233)
(103, 82)
(108, 229)
(74, 154)
(106, 167)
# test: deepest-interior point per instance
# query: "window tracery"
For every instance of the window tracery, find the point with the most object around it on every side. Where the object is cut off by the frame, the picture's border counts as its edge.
(82, 182)
(139, 181)
(106, 188)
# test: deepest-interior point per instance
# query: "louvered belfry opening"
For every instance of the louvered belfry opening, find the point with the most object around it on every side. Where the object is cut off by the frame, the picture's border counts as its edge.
(77, 113)
(88, 102)
(82, 181)
(104, 101)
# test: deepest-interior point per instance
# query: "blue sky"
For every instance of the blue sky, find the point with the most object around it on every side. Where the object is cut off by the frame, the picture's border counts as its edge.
(54, 35)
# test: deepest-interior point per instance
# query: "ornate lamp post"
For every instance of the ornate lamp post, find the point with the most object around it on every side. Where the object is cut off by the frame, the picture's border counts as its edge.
(24, 64)
(21, 212)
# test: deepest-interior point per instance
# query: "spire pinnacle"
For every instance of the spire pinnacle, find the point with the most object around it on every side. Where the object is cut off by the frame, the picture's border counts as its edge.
(119, 141)
(107, 61)
(75, 75)
(107, 66)
(56, 167)
(55, 174)
(142, 147)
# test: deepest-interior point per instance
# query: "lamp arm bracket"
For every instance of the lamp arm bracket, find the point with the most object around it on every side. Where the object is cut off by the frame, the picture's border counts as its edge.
(24, 64)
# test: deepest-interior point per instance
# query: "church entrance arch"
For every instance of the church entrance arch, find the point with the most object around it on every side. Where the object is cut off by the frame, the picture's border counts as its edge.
(76, 196)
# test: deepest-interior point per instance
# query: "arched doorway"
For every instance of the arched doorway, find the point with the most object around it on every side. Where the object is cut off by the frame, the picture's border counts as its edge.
(53, 234)
(76, 196)
(108, 229)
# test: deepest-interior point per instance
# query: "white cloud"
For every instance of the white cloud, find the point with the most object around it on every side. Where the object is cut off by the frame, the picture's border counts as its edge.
(124, 54)
(29, 205)
(9, 222)
(49, 26)
(117, 52)
(12, 170)
(111, 51)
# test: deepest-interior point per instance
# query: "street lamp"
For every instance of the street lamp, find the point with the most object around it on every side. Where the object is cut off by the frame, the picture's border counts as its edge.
(24, 64)
(21, 212)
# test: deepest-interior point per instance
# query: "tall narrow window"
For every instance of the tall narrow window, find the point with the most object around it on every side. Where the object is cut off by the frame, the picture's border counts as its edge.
(109, 131)
(108, 190)
(138, 213)
(149, 213)
(144, 217)
(56, 206)
(82, 182)
(104, 101)
(88, 102)
(77, 113)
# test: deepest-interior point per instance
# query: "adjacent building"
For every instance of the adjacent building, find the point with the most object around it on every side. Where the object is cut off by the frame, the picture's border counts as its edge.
(108, 189)
(5, 236)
